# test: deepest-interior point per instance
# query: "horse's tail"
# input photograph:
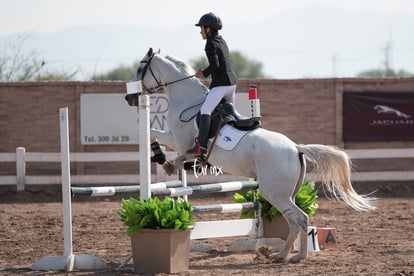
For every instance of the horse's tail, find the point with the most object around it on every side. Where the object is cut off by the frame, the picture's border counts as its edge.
(333, 167)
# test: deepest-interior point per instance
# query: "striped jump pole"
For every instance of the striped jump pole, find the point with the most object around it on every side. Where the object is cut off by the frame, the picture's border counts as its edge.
(215, 187)
(110, 191)
(226, 208)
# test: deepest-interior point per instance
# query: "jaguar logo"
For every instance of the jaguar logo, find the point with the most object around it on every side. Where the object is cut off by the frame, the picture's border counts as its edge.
(401, 120)
(386, 109)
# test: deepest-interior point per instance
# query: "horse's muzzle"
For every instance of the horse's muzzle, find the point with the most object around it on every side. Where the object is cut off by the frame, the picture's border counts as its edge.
(132, 99)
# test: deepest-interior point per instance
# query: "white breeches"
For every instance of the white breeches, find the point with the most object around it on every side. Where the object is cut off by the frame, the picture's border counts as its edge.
(214, 97)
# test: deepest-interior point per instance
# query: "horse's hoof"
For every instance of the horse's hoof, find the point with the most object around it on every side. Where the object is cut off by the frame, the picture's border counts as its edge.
(296, 259)
(168, 167)
(278, 259)
(264, 251)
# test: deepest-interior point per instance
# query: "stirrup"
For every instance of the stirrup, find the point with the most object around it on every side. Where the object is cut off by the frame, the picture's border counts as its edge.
(198, 150)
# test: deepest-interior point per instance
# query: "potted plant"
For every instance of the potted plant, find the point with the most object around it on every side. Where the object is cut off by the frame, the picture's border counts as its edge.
(159, 231)
(274, 224)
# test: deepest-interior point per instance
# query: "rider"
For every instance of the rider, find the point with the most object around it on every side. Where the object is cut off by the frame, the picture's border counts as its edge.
(223, 78)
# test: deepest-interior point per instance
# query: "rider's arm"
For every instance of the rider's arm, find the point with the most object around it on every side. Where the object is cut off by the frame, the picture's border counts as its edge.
(213, 60)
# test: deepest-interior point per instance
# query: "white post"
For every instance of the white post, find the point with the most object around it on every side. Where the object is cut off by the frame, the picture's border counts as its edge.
(67, 208)
(144, 146)
(184, 180)
(68, 261)
(20, 168)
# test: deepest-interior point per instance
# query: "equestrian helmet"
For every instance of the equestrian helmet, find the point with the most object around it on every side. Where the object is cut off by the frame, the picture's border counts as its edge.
(210, 20)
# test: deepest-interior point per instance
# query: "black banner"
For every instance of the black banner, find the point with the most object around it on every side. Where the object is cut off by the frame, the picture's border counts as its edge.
(378, 116)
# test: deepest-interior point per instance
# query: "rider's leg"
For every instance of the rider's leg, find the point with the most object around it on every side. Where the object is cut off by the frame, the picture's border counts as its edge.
(230, 95)
(200, 147)
(212, 100)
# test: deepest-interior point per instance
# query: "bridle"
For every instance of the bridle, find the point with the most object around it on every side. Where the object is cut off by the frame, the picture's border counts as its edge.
(160, 86)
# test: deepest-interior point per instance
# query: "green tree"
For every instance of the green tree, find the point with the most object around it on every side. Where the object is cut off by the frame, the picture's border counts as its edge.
(16, 65)
(55, 75)
(121, 72)
(199, 63)
(382, 73)
(243, 66)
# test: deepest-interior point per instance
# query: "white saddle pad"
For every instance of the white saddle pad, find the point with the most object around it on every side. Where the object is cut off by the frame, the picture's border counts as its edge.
(229, 137)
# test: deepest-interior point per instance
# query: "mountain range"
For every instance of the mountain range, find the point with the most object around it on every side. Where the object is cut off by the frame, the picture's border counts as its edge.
(316, 41)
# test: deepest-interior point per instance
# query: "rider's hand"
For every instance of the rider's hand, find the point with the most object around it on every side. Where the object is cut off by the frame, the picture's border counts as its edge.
(199, 74)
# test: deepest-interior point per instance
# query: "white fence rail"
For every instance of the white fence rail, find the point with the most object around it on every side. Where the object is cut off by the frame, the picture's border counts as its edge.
(382, 154)
(21, 157)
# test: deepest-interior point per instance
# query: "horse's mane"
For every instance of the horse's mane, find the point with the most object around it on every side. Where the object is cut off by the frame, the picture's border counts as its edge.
(186, 68)
(181, 64)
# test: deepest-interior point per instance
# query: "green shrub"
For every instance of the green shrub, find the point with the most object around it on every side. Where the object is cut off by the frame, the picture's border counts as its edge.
(305, 199)
(170, 213)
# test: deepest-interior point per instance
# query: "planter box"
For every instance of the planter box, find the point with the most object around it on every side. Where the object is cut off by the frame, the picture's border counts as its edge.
(161, 251)
(278, 228)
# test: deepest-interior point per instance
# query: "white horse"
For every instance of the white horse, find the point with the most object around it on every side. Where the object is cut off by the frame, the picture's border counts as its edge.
(273, 159)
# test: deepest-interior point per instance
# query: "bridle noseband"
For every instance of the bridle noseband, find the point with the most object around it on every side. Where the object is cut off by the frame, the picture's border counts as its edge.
(144, 71)
(159, 85)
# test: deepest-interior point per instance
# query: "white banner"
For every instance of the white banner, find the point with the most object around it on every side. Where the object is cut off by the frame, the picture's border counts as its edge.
(108, 119)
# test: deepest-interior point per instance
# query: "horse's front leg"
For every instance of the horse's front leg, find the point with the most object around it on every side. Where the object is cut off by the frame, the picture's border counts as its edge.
(166, 138)
(163, 137)
(179, 160)
(177, 164)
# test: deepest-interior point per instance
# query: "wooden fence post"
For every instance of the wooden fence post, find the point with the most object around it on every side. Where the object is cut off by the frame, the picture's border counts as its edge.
(20, 168)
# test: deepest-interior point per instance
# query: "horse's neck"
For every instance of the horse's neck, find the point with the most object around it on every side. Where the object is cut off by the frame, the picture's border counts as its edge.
(185, 95)
(184, 102)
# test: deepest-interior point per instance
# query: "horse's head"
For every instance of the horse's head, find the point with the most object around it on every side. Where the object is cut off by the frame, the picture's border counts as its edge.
(145, 80)
(156, 72)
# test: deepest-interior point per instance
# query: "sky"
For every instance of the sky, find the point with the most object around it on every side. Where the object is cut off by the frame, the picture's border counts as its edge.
(48, 16)
(53, 15)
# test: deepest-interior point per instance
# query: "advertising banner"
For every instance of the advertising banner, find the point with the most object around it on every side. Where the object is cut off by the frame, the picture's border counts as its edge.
(378, 116)
(108, 119)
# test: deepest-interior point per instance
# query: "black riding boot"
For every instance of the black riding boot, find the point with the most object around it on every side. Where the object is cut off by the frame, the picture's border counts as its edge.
(200, 147)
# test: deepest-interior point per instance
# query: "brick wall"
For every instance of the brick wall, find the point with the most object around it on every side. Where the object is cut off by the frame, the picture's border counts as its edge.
(306, 110)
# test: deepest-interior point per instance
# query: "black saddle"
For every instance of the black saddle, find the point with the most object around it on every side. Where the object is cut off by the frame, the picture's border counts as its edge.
(225, 113)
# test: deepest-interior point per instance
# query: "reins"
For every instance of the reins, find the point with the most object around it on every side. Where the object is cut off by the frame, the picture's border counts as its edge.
(172, 82)
(186, 110)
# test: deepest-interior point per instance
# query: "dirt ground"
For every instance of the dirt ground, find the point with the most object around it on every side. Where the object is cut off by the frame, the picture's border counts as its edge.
(380, 242)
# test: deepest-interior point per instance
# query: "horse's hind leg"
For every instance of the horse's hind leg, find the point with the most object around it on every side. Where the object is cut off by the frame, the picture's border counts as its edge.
(303, 226)
(283, 200)
(298, 223)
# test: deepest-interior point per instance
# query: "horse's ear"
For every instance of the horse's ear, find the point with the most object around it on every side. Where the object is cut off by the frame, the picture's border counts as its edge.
(150, 52)
(159, 51)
